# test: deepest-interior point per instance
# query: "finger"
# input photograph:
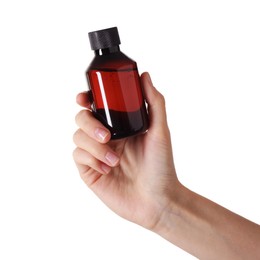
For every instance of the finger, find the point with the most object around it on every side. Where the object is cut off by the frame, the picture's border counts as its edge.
(101, 152)
(82, 158)
(84, 99)
(92, 127)
(87, 174)
(156, 105)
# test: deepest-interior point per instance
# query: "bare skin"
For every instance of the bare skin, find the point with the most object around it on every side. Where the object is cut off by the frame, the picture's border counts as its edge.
(136, 178)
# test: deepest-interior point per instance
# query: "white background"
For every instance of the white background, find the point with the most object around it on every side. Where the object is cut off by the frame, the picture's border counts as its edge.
(204, 56)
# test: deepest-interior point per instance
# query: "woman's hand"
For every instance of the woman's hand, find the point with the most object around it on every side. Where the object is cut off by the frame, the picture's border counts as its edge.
(135, 176)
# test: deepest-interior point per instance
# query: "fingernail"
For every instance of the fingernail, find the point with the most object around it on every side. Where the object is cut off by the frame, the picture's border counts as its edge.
(105, 168)
(101, 134)
(112, 158)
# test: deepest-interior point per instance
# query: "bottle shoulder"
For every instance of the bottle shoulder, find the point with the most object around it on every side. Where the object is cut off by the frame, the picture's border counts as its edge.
(112, 61)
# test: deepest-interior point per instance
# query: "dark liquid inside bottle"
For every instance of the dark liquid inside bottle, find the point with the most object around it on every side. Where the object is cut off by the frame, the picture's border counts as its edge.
(123, 123)
(118, 101)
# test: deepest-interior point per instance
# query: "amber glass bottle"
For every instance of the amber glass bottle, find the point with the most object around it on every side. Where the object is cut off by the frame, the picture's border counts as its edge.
(115, 84)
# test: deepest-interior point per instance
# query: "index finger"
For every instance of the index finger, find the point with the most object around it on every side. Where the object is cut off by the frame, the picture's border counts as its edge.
(84, 99)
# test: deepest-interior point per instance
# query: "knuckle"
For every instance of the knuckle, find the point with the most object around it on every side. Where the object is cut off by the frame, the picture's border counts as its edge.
(161, 98)
(80, 117)
(75, 154)
(90, 161)
(76, 136)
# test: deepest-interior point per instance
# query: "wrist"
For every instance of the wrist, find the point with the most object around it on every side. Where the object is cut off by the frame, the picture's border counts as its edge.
(205, 229)
(179, 223)
(174, 211)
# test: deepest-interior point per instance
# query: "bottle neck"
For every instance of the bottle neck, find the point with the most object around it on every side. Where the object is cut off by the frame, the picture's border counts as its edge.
(106, 51)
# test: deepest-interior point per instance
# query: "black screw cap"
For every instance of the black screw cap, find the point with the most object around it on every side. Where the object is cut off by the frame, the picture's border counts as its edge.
(103, 39)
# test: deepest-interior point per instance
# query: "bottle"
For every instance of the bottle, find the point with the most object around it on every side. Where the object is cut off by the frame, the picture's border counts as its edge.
(114, 81)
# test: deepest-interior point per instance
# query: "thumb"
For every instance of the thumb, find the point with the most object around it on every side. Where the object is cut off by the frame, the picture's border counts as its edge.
(156, 106)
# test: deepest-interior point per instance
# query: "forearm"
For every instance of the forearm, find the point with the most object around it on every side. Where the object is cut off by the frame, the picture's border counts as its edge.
(207, 230)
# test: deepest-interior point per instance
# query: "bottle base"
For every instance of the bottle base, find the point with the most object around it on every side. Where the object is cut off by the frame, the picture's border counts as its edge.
(124, 124)
(116, 136)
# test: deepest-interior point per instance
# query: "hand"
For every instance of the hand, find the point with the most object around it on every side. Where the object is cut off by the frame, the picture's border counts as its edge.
(134, 176)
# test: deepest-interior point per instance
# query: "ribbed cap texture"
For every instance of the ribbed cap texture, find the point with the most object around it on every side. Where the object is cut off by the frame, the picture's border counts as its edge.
(103, 39)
